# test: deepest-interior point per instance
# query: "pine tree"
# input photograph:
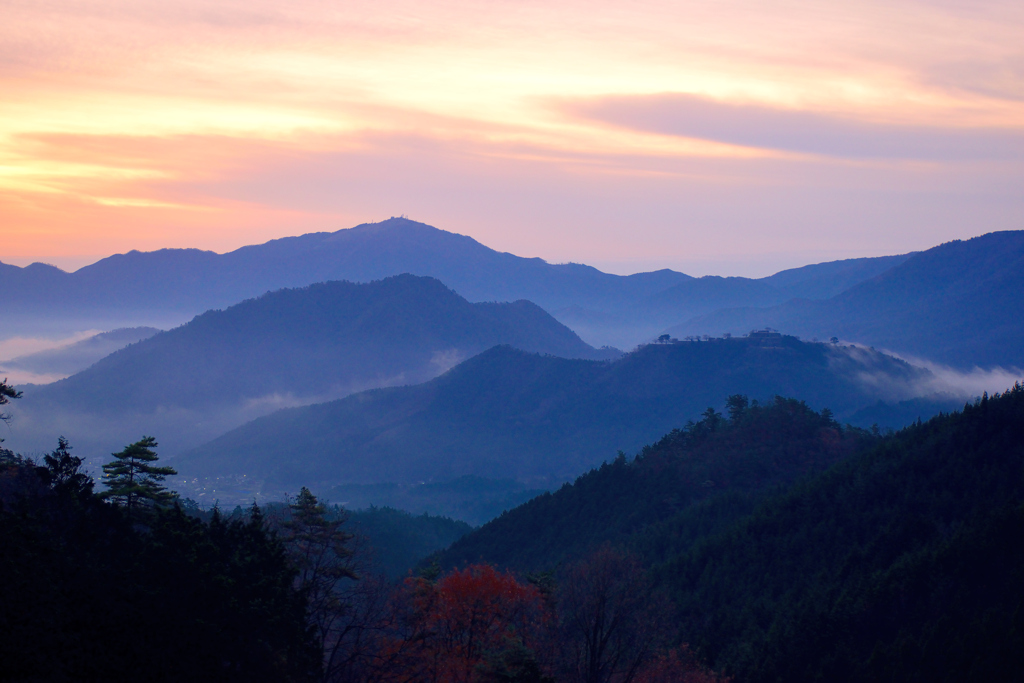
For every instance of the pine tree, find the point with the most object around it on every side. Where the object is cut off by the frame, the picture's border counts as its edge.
(133, 482)
(7, 392)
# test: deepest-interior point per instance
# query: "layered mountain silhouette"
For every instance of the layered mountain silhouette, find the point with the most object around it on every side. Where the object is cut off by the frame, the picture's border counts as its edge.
(959, 303)
(184, 282)
(647, 316)
(289, 347)
(539, 419)
(167, 287)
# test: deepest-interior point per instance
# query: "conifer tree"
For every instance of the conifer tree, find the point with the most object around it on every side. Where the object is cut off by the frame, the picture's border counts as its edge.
(135, 483)
(7, 392)
(64, 471)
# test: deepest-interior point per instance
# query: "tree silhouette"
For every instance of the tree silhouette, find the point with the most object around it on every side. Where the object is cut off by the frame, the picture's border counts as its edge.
(609, 620)
(133, 482)
(64, 471)
(318, 548)
(7, 392)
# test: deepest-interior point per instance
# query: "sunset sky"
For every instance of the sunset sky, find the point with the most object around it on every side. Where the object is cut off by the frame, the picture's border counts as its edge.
(731, 137)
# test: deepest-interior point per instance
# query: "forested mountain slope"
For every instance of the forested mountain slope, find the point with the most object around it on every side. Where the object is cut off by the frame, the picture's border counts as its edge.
(726, 461)
(902, 563)
(511, 414)
(959, 303)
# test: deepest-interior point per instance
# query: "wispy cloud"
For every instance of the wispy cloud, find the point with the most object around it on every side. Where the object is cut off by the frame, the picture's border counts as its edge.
(794, 130)
(967, 384)
(137, 124)
(13, 347)
(925, 378)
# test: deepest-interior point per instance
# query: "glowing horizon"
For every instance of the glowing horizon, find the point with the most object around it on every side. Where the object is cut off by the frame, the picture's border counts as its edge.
(738, 135)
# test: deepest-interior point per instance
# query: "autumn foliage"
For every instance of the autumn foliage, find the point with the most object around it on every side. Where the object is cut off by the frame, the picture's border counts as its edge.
(463, 625)
(480, 625)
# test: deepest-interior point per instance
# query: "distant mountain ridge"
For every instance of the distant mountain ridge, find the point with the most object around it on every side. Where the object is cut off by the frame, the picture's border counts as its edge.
(164, 288)
(508, 414)
(290, 347)
(189, 281)
(961, 303)
(958, 303)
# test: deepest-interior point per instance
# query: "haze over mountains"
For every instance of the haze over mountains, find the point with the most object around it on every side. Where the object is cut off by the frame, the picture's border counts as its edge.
(955, 304)
(319, 342)
(509, 414)
(168, 287)
(959, 303)
(794, 539)
(648, 316)
(59, 362)
(289, 347)
(179, 283)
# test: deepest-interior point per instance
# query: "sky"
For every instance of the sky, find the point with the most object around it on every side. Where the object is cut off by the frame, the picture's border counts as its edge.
(735, 137)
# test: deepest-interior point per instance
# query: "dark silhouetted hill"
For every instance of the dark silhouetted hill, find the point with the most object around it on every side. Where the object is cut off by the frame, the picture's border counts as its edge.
(959, 303)
(472, 499)
(796, 550)
(397, 540)
(541, 420)
(728, 461)
(901, 563)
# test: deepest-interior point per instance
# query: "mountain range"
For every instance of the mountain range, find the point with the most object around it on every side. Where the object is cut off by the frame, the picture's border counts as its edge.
(167, 287)
(959, 303)
(289, 347)
(180, 283)
(509, 414)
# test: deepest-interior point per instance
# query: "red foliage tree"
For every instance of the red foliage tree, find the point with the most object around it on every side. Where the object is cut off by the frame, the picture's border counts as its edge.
(460, 627)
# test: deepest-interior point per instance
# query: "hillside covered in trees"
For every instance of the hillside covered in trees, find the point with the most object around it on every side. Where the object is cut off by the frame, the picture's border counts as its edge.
(900, 561)
(721, 464)
(769, 543)
(287, 595)
(90, 593)
(507, 414)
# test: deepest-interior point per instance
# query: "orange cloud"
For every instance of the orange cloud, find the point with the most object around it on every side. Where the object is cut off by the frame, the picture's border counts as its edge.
(536, 127)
